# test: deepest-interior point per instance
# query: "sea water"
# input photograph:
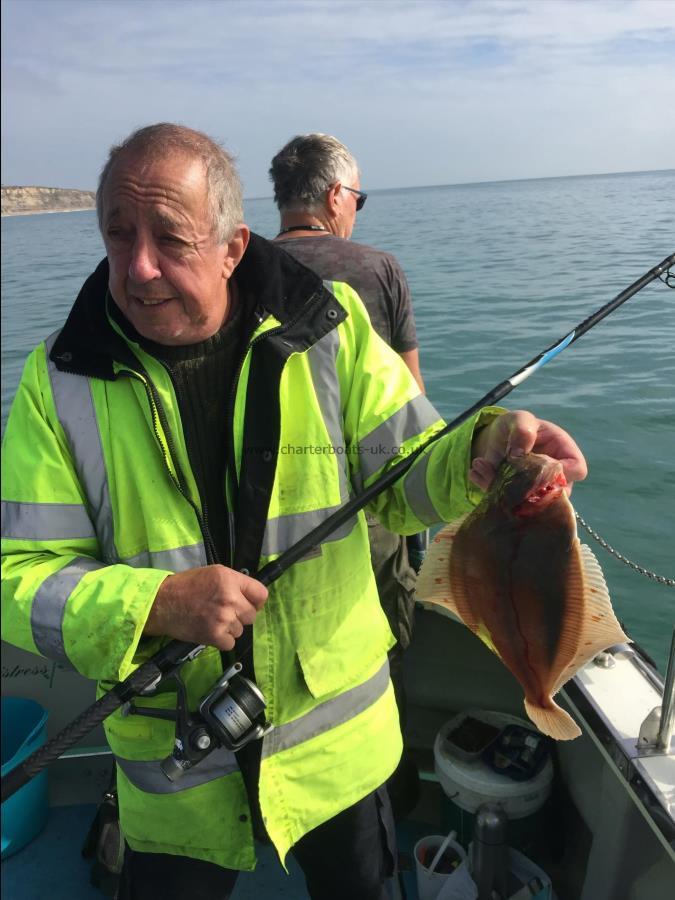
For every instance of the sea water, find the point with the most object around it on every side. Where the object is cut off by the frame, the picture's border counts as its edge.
(498, 272)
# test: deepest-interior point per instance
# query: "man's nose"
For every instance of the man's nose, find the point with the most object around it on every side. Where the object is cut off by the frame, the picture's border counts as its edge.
(144, 262)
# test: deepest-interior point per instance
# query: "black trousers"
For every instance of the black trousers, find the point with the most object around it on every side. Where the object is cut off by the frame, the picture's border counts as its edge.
(350, 856)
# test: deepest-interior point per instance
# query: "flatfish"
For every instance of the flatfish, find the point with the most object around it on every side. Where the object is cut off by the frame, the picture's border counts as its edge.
(513, 571)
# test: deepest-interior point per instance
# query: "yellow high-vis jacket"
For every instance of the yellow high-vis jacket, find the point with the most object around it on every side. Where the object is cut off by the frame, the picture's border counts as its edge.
(100, 505)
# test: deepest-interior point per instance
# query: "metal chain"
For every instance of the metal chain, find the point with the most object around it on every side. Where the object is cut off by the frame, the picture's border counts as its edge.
(670, 582)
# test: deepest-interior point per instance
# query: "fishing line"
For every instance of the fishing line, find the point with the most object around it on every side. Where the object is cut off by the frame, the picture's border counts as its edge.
(170, 658)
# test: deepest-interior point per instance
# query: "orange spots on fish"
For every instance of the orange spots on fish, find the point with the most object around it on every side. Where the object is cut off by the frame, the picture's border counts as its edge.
(596, 618)
(438, 580)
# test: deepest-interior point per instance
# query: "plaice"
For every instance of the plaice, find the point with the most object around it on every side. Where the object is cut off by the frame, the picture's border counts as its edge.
(514, 572)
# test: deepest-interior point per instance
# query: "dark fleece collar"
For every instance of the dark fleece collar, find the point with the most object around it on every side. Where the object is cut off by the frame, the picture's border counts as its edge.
(269, 278)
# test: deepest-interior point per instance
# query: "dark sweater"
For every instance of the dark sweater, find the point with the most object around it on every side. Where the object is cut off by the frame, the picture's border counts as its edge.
(202, 376)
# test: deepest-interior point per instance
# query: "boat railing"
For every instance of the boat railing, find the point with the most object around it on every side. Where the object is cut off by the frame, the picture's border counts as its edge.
(668, 706)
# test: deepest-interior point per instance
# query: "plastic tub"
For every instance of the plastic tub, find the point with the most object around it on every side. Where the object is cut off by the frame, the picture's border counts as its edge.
(429, 884)
(522, 871)
(24, 815)
(469, 783)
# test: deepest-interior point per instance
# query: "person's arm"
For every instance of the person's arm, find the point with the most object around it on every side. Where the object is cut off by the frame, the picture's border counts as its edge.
(412, 360)
(402, 319)
(386, 419)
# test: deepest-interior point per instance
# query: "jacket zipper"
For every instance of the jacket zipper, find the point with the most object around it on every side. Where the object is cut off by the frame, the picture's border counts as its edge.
(158, 413)
(231, 466)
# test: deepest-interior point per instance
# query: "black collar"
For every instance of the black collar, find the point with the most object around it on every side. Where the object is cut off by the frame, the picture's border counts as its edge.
(272, 280)
(302, 228)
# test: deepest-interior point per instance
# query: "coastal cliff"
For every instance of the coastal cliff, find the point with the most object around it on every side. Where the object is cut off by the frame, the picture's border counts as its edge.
(17, 201)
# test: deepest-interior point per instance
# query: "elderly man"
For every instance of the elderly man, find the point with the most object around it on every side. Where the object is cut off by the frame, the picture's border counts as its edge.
(318, 191)
(146, 477)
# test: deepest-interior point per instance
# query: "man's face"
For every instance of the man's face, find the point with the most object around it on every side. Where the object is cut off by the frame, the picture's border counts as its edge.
(168, 273)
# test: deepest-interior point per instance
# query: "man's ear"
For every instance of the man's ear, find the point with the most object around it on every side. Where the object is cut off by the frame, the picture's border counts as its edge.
(333, 200)
(235, 249)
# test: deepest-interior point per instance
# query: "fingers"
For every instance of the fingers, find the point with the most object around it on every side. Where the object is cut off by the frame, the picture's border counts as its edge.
(210, 605)
(237, 600)
(511, 434)
(481, 473)
(521, 433)
(254, 591)
(556, 442)
(517, 433)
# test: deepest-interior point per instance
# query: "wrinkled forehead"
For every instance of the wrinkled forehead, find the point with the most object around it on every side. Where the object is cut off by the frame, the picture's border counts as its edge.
(167, 184)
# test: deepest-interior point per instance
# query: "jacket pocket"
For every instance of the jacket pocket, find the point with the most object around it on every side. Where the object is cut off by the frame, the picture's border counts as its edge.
(347, 657)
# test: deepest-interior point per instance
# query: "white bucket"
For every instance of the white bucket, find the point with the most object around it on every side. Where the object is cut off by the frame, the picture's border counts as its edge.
(470, 783)
(521, 872)
(429, 884)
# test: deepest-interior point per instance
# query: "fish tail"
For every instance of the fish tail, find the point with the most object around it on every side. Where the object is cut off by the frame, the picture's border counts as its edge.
(553, 721)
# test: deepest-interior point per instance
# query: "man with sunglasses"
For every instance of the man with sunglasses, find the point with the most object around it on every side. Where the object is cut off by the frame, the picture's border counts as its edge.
(318, 192)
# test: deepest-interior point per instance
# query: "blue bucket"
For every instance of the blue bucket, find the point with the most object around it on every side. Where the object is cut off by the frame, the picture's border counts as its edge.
(24, 815)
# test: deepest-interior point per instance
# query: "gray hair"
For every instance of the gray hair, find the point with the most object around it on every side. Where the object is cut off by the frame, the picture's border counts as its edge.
(159, 141)
(306, 167)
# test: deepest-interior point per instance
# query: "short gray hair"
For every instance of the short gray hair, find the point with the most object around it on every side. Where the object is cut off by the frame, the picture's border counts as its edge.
(159, 141)
(306, 167)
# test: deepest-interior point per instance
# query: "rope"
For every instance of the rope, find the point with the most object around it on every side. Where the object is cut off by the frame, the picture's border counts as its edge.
(669, 582)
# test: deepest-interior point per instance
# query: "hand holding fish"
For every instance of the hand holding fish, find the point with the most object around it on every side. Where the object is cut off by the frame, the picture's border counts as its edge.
(517, 433)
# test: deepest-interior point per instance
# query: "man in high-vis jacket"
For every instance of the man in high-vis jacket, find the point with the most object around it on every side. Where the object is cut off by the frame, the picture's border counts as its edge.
(208, 401)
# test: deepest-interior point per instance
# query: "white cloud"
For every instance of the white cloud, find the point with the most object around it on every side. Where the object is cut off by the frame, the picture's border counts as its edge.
(423, 92)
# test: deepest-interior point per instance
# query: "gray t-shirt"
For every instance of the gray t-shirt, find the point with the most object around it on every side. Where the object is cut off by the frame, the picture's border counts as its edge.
(376, 277)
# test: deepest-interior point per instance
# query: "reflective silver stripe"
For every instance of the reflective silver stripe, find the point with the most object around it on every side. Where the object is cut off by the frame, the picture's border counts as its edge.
(416, 493)
(148, 776)
(177, 560)
(322, 362)
(49, 606)
(382, 444)
(45, 521)
(75, 408)
(327, 715)
(284, 531)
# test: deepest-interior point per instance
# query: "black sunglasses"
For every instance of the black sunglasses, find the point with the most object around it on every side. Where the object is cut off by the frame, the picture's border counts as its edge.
(361, 196)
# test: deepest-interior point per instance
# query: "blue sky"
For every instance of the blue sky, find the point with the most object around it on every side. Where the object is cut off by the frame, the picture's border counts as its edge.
(423, 92)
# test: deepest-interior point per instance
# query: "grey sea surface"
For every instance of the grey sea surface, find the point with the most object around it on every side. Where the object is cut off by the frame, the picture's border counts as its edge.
(498, 271)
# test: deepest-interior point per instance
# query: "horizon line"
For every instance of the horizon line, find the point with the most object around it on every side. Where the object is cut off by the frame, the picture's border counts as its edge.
(420, 187)
(409, 187)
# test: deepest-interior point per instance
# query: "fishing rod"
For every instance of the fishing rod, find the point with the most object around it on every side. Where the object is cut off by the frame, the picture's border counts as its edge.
(167, 661)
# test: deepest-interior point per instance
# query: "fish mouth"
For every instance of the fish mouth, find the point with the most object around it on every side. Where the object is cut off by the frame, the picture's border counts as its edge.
(542, 495)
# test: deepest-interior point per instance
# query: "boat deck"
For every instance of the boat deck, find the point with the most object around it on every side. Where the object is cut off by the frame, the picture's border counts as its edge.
(52, 865)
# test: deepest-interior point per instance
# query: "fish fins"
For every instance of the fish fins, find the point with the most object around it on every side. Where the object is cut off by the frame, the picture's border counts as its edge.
(553, 721)
(433, 589)
(599, 627)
